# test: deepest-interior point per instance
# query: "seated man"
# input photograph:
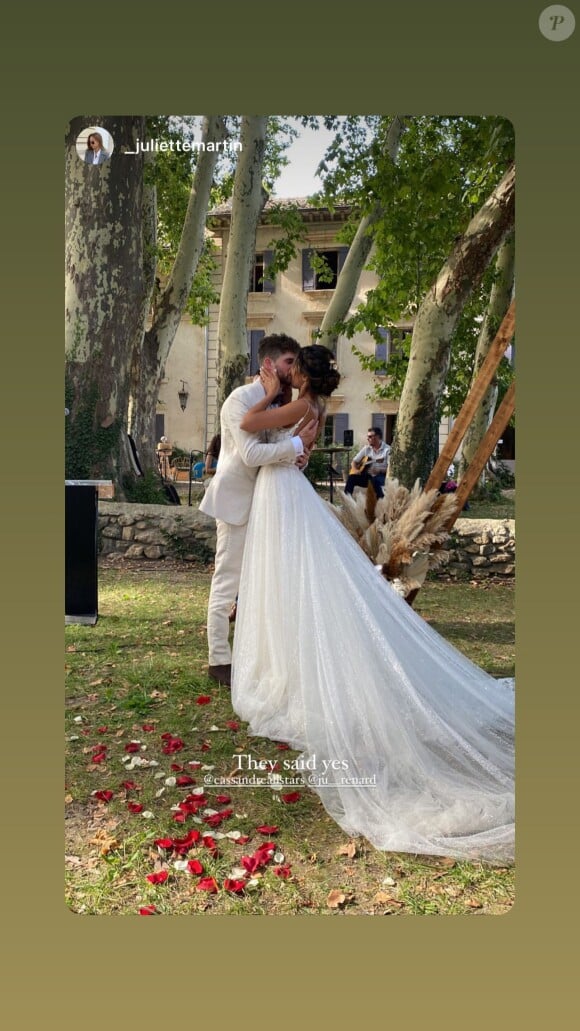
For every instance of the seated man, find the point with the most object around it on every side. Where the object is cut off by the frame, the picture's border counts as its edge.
(370, 464)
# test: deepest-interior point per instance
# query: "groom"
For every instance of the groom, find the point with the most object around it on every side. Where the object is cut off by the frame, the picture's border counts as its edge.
(228, 497)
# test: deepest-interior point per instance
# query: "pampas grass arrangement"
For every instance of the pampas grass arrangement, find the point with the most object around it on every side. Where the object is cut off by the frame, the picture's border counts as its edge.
(402, 533)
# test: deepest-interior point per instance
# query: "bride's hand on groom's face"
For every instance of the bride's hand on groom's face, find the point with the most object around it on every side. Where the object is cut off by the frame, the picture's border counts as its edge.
(270, 381)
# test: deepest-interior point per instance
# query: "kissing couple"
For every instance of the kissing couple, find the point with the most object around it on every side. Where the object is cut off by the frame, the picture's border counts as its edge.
(417, 742)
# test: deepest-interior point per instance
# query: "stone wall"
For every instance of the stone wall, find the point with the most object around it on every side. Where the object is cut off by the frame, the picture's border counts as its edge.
(478, 547)
(155, 531)
(482, 547)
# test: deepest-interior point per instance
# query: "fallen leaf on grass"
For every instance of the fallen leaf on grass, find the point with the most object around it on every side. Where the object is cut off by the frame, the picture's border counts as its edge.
(474, 904)
(105, 841)
(337, 899)
(382, 898)
(347, 850)
(68, 799)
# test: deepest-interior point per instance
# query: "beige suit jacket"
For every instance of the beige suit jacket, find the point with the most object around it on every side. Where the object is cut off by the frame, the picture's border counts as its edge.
(229, 494)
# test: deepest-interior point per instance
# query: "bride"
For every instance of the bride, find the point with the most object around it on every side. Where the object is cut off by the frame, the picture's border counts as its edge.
(405, 740)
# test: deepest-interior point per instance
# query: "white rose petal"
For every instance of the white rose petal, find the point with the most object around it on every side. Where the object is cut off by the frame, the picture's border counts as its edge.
(278, 857)
(198, 791)
(389, 881)
(218, 834)
(234, 835)
(159, 793)
(238, 871)
(240, 816)
(78, 719)
(180, 864)
(171, 782)
(214, 727)
(158, 776)
(147, 815)
(197, 819)
(208, 767)
(74, 737)
(210, 812)
(252, 883)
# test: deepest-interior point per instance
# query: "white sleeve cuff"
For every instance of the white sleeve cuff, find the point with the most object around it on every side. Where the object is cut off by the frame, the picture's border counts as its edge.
(298, 445)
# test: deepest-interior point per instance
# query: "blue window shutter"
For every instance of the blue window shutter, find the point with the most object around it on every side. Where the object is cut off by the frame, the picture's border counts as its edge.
(340, 425)
(382, 350)
(308, 275)
(254, 337)
(342, 253)
(378, 420)
(269, 284)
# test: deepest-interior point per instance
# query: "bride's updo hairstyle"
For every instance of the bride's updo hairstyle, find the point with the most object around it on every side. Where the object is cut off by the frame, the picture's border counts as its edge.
(317, 362)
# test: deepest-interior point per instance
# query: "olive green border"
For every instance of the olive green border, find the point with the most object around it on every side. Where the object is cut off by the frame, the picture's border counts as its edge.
(443, 57)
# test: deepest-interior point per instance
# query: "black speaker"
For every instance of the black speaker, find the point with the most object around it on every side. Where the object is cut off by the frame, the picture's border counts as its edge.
(348, 438)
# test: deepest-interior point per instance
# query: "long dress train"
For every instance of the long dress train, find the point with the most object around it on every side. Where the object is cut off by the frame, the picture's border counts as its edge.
(405, 740)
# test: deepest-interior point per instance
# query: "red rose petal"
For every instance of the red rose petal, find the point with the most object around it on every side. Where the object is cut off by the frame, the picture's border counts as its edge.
(190, 838)
(194, 866)
(148, 911)
(237, 887)
(282, 871)
(242, 840)
(158, 878)
(223, 799)
(148, 727)
(102, 730)
(207, 884)
(164, 842)
(232, 724)
(130, 785)
(134, 807)
(179, 817)
(203, 699)
(266, 829)
(195, 764)
(177, 768)
(184, 780)
(282, 746)
(292, 796)
(133, 746)
(103, 796)
(172, 744)
(205, 746)
(250, 863)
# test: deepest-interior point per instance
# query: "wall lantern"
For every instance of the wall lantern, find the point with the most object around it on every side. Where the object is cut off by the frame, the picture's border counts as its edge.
(183, 395)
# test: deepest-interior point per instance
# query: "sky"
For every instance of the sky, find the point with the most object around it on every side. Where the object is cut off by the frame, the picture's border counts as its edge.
(298, 178)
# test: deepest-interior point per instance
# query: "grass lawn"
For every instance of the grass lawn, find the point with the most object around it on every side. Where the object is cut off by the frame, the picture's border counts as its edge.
(138, 676)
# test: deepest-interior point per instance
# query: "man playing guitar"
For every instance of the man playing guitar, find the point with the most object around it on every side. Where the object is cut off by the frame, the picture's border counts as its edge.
(370, 464)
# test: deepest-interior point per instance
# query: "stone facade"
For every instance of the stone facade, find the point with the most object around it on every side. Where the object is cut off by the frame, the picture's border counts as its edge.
(478, 547)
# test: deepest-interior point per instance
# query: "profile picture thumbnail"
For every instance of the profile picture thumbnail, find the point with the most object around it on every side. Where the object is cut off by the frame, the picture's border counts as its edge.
(94, 145)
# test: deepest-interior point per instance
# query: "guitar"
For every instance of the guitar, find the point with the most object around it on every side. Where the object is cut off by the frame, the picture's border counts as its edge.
(366, 460)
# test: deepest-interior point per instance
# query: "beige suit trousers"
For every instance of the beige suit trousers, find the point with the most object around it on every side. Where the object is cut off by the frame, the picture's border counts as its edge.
(224, 588)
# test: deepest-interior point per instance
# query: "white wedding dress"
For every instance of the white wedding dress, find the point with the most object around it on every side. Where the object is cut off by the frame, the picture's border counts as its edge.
(405, 740)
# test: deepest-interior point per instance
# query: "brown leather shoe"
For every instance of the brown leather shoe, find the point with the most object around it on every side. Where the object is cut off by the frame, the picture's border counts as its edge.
(223, 674)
